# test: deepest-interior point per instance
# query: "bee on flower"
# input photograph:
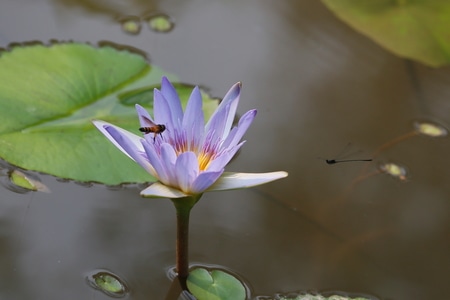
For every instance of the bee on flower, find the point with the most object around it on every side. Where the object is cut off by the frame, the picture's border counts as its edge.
(192, 156)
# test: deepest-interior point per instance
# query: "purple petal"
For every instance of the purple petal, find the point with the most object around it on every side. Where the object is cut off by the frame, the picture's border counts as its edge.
(238, 132)
(231, 181)
(222, 160)
(173, 100)
(187, 170)
(204, 181)
(229, 105)
(217, 124)
(136, 140)
(193, 115)
(159, 190)
(144, 116)
(168, 160)
(155, 161)
(130, 148)
(161, 109)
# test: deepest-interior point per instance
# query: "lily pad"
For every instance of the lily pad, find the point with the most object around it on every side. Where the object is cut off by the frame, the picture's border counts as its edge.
(50, 94)
(319, 297)
(107, 282)
(215, 285)
(409, 28)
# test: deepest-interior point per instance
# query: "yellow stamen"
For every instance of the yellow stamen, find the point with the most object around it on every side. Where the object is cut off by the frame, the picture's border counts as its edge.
(203, 160)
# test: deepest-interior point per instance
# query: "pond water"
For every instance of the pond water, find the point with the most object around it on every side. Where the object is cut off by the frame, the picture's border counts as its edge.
(318, 86)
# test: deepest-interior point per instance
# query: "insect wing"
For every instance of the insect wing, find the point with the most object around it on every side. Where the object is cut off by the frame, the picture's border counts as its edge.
(146, 122)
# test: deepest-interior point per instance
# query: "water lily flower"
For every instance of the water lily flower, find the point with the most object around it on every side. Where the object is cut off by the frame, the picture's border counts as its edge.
(186, 156)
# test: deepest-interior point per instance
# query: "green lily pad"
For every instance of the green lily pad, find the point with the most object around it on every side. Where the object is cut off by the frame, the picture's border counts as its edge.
(50, 94)
(214, 285)
(409, 28)
(107, 282)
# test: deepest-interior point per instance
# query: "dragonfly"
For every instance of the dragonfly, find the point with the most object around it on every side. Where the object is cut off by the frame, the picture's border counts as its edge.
(336, 160)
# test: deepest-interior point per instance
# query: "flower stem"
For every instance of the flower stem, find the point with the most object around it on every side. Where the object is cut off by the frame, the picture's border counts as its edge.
(183, 208)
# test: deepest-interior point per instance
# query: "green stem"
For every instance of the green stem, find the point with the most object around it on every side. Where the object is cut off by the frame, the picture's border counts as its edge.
(183, 207)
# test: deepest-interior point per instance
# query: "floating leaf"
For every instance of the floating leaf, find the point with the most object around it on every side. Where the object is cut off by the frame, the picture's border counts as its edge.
(131, 25)
(394, 170)
(214, 285)
(108, 283)
(308, 296)
(430, 129)
(160, 22)
(320, 297)
(409, 28)
(28, 182)
(48, 97)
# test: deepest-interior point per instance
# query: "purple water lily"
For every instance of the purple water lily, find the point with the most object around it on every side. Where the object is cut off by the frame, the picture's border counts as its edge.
(188, 157)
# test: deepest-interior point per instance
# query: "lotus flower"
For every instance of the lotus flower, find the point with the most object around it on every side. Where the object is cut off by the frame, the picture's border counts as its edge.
(185, 155)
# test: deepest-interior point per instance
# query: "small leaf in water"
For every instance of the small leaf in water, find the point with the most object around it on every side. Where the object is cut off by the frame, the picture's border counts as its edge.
(394, 170)
(25, 181)
(108, 283)
(215, 285)
(160, 22)
(318, 297)
(430, 129)
(131, 25)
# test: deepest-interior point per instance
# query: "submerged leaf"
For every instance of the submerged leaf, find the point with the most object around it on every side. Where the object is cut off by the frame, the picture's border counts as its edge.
(48, 97)
(409, 28)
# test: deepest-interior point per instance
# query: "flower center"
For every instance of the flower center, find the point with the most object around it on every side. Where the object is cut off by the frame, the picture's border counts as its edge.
(206, 150)
(204, 158)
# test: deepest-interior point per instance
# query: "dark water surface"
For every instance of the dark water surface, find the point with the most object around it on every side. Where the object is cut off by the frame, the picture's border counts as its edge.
(317, 85)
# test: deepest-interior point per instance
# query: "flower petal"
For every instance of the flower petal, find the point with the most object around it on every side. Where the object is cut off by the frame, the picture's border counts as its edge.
(159, 190)
(129, 147)
(173, 100)
(204, 181)
(231, 181)
(238, 132)
(155, 161)
(222, 119)
(187, 170)
(216, 128)
(135, 139)
(144, 116)
(222, 160)
(161, 110)
(193, 120)
(168, 160)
